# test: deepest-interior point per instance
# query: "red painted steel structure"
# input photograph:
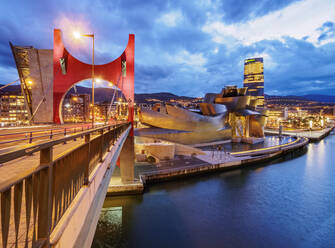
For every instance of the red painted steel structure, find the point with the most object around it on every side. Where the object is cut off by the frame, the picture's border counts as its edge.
(77, 71)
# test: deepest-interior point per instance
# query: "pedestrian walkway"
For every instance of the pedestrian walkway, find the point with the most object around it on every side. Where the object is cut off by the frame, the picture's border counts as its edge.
(17, 169)
(217, 157)
(314, 134)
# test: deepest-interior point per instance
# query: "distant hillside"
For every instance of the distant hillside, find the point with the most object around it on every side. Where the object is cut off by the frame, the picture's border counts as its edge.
(10, 88)
(320, 98)
(301, 98)
(100, 94)
(311, 97)
(106, 94)
(162, 96)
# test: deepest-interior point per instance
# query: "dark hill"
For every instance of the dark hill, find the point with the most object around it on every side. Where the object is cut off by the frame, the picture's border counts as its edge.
(320, 98)
(106, 94)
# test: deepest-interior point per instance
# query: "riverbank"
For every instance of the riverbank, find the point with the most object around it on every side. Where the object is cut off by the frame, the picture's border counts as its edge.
(313, 136)
(201, 164)
(215, 161)
(287, 202)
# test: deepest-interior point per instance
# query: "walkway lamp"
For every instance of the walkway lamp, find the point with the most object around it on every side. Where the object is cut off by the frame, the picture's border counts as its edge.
(77, 35)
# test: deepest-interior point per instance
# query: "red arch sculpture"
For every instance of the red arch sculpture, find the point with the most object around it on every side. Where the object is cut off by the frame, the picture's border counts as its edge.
(77, 71)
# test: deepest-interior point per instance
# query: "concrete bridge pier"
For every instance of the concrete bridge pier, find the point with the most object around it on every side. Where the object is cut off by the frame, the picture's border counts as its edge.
(127, 160)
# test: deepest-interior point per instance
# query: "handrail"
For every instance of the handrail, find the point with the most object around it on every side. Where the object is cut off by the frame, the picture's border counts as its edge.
(49, 131)
(33, 147)
(47, 190)
(266, 149)
(39, 131)
(35, 137)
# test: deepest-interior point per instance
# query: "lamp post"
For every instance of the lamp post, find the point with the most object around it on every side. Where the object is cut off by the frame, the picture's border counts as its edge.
(77, 36)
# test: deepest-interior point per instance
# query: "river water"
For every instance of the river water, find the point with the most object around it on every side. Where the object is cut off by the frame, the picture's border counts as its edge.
(285, 203)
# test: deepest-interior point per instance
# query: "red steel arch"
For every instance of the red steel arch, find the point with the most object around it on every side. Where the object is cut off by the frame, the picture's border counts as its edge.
(77, 71)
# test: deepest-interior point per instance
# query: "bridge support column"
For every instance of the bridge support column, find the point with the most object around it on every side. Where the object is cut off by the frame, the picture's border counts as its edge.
(127, 159)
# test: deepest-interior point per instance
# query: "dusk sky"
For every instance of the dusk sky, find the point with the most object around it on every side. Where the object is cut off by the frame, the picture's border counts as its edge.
(187, 47)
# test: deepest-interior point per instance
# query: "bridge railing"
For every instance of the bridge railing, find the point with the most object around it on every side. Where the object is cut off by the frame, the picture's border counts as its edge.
(52, 133)
(33, 204)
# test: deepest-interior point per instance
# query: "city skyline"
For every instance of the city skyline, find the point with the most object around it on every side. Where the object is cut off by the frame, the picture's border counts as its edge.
(188, 49)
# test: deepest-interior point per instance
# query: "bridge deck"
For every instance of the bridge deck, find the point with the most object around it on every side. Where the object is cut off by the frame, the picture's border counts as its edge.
(15, 169)
(37, 189)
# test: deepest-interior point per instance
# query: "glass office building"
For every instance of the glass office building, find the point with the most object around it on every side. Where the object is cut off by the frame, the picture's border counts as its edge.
(254, 80)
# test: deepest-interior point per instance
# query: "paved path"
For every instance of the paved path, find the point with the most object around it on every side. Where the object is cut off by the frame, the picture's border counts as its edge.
(18, 134)
(316, 134)
(15, 169)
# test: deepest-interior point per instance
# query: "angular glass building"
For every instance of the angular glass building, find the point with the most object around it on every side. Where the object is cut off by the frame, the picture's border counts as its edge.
(254, 80)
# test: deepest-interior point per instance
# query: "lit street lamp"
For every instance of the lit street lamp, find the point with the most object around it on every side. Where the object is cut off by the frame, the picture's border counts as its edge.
(77, 36)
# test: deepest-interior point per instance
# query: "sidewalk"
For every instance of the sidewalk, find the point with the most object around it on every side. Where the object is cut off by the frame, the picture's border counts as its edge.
(15, 169)
(313, 135)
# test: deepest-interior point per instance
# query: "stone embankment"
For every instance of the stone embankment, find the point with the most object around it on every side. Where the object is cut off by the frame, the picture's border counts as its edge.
(313, 136)
(209, 162)
(214, 160)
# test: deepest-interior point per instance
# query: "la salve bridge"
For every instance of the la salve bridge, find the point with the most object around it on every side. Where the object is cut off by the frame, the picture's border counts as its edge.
(54, 180)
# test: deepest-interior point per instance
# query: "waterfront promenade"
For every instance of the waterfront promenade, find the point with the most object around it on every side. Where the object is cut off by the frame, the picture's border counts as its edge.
(314, 135)
(212, 161)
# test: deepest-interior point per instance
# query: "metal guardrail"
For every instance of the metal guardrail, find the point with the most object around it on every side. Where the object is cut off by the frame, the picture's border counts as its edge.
(51, 133)
(33, 204)
(270, 149)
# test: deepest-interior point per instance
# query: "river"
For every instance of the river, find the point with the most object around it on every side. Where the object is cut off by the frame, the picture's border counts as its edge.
(285, 203)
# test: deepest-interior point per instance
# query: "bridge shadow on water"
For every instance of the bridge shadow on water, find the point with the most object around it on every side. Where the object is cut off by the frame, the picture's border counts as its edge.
(285, 202)
(118, 223)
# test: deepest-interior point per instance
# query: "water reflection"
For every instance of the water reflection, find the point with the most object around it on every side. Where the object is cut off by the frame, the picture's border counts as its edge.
(288, 203)
(321, 153)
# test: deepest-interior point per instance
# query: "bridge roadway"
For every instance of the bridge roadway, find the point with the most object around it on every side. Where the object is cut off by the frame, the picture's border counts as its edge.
(22, 234)
(11, 136)
(19, 168)
(24, 165)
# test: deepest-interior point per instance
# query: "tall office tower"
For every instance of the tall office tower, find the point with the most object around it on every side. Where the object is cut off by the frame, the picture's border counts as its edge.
(254, 80)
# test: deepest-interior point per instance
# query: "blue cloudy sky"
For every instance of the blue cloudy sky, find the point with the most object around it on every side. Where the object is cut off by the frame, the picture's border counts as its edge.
(187, 47)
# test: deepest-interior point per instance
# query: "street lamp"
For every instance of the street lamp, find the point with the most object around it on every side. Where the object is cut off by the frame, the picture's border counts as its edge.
(77, 35)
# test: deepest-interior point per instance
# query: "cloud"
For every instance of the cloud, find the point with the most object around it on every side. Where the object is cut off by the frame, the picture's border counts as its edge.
(8, 74)
(241, 11)
(195, 61)
(171, 19)
(297, 20)
(327, 31)
(184, 47)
